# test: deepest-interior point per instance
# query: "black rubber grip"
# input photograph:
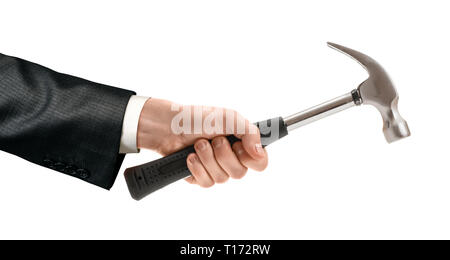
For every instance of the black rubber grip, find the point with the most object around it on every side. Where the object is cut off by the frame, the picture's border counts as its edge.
(147, 178)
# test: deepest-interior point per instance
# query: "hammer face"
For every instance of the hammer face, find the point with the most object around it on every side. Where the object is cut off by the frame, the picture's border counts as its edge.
(394, 126)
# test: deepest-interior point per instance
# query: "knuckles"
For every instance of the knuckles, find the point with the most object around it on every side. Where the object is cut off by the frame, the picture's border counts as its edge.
(220, 147)
(201, 146)
(207, 184)
(218, 142)
(221, 179)
(239, 173)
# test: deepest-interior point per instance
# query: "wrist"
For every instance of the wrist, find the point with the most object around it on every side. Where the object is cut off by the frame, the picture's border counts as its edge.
(154, 124)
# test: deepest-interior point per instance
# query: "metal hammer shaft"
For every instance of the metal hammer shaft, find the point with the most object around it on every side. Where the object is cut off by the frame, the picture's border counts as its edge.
(323, 110)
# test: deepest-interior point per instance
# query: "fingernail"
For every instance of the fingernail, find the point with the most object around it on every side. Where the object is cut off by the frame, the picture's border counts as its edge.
(239, 151)
(201, 145)
(217, 142)
(193, 158)
(259, 149)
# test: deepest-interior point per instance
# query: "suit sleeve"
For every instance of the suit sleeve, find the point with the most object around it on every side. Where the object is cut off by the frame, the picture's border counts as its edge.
(61, 122)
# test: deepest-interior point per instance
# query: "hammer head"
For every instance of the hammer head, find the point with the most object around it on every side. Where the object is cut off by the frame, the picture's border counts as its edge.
(379, 91)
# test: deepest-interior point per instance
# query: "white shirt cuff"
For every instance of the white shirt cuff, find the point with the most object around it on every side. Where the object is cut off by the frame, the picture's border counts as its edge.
(128, 140)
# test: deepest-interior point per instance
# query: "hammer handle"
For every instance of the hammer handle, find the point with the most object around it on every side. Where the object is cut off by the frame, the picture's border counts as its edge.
(147, 178)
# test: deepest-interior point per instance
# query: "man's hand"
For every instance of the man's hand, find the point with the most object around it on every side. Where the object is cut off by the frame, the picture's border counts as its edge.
(213, 162)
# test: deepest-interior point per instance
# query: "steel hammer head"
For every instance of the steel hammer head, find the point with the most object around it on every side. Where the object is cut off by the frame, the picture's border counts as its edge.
(379, 91)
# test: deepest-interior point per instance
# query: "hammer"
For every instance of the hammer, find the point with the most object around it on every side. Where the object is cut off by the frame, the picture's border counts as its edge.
(377, 90)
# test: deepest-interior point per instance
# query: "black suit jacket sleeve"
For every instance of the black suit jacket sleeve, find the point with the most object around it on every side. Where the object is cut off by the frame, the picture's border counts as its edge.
(62, 122)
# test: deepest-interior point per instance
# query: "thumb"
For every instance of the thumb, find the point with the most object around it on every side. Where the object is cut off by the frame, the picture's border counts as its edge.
(251, 142)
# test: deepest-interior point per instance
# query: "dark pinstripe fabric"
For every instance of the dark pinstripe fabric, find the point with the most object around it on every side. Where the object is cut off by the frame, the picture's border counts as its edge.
(61, 122)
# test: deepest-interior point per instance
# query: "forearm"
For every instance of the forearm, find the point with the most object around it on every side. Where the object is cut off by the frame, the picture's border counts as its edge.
(61, 122)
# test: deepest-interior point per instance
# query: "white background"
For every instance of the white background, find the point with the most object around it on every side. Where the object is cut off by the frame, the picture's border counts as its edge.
(334, 179)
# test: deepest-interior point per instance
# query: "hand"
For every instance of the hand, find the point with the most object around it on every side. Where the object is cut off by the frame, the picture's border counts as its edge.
(213, 162)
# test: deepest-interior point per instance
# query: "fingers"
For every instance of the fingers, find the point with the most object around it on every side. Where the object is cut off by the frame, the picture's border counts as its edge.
(213, 163)
(216, 161)
(247, 160)
(227, 159)
(191, 179)
(205, 152)
(249, 134)
(251, 142)
(199, 172)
